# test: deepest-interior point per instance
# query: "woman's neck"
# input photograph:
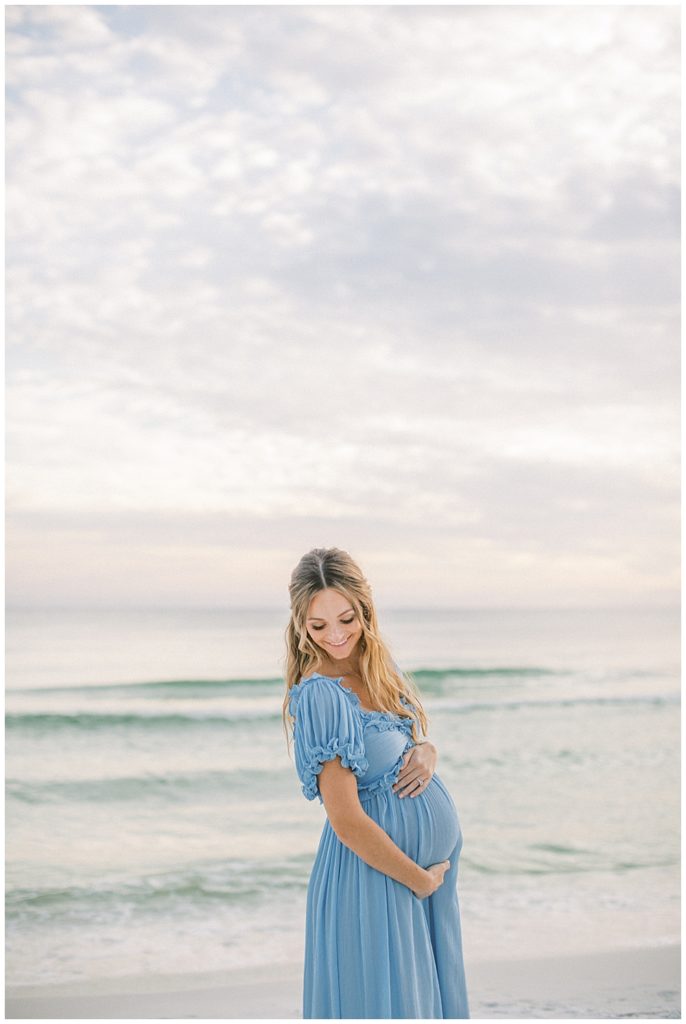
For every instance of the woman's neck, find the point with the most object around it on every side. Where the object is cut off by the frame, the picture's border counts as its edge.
(344, 667)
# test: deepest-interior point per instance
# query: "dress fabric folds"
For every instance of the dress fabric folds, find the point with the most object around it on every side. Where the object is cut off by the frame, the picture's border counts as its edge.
(372, 948)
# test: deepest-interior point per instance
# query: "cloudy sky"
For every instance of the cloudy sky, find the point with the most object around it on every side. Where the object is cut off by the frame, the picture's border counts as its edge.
(403, 280)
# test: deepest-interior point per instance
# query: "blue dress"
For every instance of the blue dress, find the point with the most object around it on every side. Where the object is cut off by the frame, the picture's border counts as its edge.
(372, 948)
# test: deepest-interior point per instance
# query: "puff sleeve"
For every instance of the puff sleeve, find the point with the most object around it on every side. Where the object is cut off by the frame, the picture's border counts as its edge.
(326, 726)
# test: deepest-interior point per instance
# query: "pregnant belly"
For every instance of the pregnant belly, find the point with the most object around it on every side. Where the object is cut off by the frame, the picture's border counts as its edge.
(425, 827)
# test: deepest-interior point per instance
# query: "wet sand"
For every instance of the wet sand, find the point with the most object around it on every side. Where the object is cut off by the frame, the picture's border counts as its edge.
(635, 983)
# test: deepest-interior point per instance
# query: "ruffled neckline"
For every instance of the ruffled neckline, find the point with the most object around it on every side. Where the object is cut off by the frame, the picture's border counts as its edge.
(372, 714)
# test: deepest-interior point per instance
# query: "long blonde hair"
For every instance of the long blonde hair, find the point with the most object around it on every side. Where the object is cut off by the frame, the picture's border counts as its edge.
(333, 568)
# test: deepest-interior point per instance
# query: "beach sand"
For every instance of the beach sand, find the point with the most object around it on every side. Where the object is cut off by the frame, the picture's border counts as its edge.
(637, 983)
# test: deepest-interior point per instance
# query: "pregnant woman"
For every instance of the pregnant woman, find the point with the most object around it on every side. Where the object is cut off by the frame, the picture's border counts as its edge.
(382, 928)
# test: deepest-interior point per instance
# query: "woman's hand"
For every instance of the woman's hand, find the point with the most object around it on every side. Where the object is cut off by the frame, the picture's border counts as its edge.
(435, 874)
(417, 771)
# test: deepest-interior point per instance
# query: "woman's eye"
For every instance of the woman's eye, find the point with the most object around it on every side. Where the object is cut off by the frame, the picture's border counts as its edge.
(346, 622)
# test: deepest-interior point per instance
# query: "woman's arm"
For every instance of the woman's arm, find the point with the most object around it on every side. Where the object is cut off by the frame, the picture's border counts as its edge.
(360, 833)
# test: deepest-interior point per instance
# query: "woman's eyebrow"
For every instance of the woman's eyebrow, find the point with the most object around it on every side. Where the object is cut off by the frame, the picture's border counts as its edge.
(317, 618)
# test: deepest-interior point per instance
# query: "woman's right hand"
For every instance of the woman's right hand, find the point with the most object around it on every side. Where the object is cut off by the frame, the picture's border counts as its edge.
(434, 878)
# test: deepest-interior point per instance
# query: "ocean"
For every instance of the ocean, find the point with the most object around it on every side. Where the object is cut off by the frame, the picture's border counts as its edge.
(155, 824)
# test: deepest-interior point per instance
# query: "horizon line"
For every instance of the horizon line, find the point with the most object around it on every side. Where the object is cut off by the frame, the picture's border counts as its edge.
(390, 608)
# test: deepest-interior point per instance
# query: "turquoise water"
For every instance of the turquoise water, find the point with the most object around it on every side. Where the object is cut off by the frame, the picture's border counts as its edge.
(154, 821)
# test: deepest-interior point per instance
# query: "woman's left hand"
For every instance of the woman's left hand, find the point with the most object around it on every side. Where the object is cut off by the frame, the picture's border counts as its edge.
(419, 764)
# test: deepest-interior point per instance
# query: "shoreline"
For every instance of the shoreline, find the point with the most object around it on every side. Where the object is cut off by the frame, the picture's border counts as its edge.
(633, 982)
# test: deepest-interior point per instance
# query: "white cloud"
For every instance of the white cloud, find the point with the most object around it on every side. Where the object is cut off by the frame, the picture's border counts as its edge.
(391, 274)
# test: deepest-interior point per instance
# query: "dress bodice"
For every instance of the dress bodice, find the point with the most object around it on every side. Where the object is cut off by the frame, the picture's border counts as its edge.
(374, 741)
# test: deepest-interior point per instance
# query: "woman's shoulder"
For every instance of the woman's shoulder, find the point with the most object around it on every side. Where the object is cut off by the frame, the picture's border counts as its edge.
(316, 679)
(314, 683)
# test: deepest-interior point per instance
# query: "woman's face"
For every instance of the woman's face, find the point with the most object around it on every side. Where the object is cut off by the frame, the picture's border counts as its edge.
(332, 623)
